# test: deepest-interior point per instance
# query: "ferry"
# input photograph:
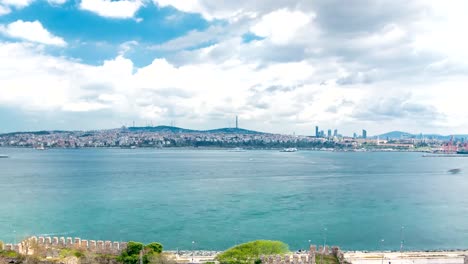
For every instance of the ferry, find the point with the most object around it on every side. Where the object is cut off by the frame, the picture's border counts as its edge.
(3, 156)
(289, 150)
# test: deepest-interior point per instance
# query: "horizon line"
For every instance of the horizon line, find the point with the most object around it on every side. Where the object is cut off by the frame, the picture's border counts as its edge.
(220, 128)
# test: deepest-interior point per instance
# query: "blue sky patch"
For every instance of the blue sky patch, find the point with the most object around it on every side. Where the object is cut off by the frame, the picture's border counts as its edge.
(249, 37)
(93, 39)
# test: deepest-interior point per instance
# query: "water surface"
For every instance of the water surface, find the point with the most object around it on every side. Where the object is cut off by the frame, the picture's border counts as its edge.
(219, 198)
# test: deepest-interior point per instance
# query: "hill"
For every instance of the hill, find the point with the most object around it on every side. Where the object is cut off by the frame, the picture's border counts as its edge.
(172, 129)
(406, 135)
(395, 135)
(162, 129)
(37, 133)
(231, 130)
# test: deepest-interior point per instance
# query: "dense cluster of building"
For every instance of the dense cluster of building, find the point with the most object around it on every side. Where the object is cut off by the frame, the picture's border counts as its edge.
(132, 138)
(128, 138)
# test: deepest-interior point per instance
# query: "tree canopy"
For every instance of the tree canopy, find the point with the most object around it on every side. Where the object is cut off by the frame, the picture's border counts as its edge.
(132, 254)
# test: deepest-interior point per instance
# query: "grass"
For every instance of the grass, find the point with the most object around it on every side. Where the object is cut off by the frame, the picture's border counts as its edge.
(66, 252)
(327, 259)
(9, 254)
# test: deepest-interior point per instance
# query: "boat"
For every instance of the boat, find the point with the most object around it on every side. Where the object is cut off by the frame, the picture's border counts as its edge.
(237, 150)
(462, 152)
(41, 147)
(454, 171)
(289, 150)
(3, 156)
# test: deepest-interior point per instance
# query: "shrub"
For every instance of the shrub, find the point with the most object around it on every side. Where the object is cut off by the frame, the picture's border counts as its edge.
(250, 252)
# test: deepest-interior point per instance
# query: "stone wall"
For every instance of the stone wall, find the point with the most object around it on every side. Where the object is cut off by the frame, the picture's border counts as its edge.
(99, 246)
(308, 258)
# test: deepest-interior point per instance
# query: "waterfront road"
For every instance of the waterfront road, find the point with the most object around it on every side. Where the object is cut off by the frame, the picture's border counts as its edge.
(441, 257)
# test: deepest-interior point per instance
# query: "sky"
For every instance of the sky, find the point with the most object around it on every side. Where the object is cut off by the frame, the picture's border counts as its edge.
(282, 66)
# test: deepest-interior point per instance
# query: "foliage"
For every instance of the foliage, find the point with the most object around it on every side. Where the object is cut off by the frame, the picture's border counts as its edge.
(128, 259)
(154, 247)
(134, 248)
(1, 245)
(132, 254)
(250, 252)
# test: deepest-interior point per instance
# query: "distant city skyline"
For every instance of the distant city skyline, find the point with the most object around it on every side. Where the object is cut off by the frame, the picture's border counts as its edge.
(280, 66)
(317, 133)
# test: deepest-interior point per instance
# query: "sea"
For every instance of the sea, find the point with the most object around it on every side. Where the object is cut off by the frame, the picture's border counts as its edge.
(216, 198)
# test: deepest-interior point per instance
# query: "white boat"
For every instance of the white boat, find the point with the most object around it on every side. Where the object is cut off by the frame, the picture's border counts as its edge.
(3, 156)
(237, 150)
(41, 147)
(289, 150)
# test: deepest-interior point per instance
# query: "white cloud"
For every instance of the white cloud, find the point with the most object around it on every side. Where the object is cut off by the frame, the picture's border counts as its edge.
(4, 10)
(281, 26)
(31, 31)
(57, 2)
(315, 65)
(441, 31)
(190, 6)
(214, 9)
(17, 3)
(202, 95)
(83, 106)
(6, 4)
(112, 9)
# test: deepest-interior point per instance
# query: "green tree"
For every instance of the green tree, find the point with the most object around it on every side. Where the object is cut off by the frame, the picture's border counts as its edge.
(132, 254)
(154, 247)
(134, 248)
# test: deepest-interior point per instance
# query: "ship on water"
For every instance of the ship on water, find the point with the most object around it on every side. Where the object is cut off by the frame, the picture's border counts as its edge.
(237, 150)
(40, 147)
(289, 150)
(3, 156)
(463, 150)
(450, 149)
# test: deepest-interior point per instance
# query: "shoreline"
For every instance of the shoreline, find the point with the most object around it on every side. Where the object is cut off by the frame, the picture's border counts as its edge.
(225, 148)
(447, 256)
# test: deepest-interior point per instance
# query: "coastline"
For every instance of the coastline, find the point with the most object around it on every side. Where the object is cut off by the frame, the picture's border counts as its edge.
(224, 148)
(54, 246)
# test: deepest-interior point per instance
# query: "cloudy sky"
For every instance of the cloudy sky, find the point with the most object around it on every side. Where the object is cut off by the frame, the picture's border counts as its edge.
(280, 65)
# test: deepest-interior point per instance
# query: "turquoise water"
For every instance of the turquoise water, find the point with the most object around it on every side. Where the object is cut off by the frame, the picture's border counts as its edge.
(219, 198)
